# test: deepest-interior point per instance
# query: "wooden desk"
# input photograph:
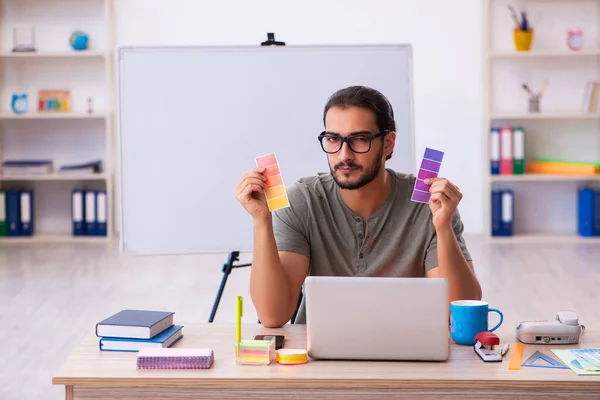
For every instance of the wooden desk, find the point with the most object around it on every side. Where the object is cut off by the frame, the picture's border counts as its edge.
(89, 373)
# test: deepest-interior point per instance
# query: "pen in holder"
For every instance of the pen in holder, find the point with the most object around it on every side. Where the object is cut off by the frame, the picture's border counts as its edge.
(534, 104)
(522, 31)
(534, 98)
(251, 352)
(523, 40)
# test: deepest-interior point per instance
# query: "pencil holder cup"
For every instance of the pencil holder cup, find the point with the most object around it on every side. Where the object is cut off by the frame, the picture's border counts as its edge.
(523, 40)
(534, 104)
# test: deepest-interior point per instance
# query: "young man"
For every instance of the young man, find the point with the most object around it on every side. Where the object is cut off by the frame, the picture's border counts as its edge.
(356, 221)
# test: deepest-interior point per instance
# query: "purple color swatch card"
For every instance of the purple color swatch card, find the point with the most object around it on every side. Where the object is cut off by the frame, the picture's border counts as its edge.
(430, 167)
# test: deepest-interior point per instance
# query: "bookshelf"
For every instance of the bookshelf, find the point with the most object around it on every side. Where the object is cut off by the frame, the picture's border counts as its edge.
(71, 137)
(545, 205)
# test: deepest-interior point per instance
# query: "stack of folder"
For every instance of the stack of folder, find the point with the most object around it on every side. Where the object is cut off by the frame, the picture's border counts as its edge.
(16, 213)
(507, 157)
(502, 212)
(507, 150)
(588, 212)
(89, 210)
(134, 330)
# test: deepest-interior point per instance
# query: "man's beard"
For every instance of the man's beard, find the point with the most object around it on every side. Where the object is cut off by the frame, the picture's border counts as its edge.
(365, 178)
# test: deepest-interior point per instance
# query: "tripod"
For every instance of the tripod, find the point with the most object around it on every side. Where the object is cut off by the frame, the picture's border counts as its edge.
(227, 268)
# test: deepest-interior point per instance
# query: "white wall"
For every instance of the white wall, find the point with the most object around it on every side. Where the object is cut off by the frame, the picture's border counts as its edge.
(445, 36)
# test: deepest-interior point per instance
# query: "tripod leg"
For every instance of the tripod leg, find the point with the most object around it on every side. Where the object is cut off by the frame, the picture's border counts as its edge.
(233, 256)
(218, 298)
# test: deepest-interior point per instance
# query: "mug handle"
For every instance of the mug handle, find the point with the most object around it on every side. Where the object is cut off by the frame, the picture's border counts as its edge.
(501, 318)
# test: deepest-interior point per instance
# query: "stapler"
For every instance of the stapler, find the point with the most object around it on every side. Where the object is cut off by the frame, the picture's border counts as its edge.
(485, 343)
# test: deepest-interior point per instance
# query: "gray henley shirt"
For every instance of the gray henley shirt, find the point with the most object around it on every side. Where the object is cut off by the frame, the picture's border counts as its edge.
(398, 240)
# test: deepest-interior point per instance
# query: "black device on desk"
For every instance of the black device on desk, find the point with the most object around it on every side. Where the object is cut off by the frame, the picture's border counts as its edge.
(279, 339)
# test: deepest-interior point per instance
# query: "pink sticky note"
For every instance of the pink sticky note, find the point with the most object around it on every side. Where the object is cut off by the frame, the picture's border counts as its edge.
(277, 194)
(266, 161)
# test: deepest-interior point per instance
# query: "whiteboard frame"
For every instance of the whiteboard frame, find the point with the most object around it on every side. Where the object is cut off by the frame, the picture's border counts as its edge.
(123, 49)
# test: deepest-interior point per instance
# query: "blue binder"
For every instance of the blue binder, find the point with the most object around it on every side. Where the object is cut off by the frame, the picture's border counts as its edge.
(496, 212)
(596, 213)
(508, 213)
(26, 212)
(90, 213)
(585, 212)
(13, 212)
(78, 212)
(495, 151)
(101, 212)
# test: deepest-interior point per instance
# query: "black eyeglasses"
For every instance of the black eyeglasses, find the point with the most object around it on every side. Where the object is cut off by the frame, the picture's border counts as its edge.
(359, 142)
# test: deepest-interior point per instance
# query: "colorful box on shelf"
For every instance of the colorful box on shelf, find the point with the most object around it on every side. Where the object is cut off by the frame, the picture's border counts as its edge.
(256, 352)
(54, 101)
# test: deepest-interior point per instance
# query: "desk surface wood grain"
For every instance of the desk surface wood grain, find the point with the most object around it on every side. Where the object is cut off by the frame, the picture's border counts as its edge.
(88, 366)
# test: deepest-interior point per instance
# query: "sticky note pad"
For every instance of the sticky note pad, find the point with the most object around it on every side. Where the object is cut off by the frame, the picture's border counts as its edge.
(430, 167)
(174, 358)
(291, 356)
(276, 193)
(256, 352)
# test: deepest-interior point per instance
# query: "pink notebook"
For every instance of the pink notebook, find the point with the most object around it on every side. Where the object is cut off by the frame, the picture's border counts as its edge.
(174, 358)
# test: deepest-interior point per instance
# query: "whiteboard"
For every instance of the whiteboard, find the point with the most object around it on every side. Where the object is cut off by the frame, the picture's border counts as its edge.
(191, 121)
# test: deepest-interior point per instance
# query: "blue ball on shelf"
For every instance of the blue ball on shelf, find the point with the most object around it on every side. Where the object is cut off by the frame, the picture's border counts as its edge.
(79, 40)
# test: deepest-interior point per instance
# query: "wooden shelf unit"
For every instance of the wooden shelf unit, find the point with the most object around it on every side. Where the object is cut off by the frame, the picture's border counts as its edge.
(548, 55)
(54, 65)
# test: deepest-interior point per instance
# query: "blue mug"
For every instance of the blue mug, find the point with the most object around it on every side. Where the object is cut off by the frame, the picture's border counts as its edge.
(468, 318)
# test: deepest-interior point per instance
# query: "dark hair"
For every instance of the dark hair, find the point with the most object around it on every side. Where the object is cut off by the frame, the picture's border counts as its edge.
(365, 97)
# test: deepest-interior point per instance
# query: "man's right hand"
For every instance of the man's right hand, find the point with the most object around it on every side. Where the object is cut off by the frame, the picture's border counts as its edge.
(250, 192)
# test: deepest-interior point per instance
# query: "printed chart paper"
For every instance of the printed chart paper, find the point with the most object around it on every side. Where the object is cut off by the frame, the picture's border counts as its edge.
(276, 193)
(430, 167)
(570, 359)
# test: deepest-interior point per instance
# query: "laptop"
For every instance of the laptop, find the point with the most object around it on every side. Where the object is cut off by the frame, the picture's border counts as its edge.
(377, 318)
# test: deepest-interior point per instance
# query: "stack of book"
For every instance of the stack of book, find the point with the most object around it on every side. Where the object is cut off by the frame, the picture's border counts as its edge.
(133, 330)
(92, 167)
(27, 167)
(562, 167)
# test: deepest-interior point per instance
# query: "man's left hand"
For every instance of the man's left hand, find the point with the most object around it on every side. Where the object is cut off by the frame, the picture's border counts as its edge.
(445, 197)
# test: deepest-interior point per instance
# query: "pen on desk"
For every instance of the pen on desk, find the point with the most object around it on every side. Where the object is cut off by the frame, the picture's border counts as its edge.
(238, 321)
(505, 349)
